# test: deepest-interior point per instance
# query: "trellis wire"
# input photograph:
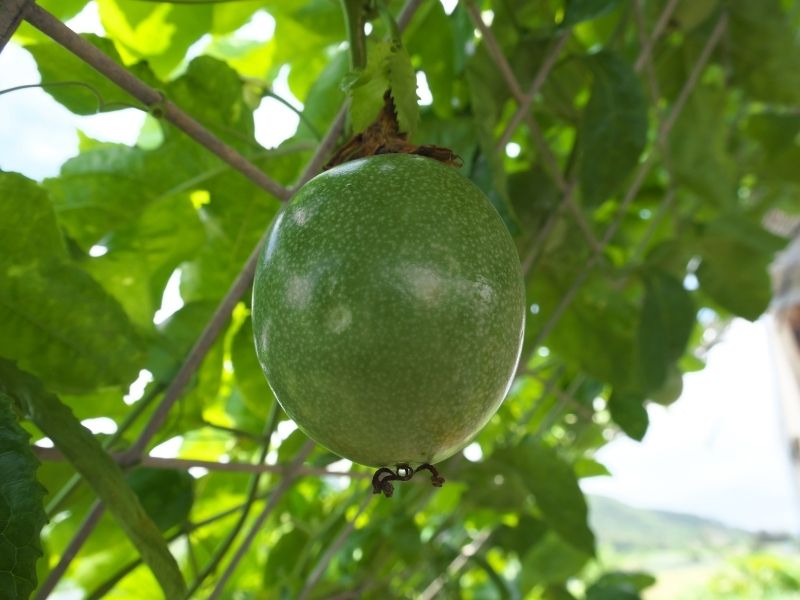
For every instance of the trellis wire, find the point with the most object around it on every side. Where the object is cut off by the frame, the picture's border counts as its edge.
(14, 11)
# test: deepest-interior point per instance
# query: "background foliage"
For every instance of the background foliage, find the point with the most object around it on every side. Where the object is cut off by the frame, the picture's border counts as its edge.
(623, 277)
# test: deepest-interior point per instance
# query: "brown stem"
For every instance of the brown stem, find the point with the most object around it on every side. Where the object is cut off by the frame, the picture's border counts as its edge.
(11, 14)
(384, 137)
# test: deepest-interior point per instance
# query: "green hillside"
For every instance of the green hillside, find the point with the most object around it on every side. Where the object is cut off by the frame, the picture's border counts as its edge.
(626, 529)
(694, 558)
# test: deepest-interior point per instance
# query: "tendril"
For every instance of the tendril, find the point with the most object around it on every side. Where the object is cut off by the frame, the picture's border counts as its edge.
(383, 477)
(102, 105)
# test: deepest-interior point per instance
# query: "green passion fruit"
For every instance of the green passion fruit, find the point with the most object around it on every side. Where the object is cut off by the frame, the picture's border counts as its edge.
(388, 310)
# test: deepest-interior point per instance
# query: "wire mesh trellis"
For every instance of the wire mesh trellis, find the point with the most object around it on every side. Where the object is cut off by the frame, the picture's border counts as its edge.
(13, 12)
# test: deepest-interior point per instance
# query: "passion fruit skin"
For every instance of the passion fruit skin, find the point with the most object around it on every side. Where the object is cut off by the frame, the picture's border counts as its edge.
(388, 310)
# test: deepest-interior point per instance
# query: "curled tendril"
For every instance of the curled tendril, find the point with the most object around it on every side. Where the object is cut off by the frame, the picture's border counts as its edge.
(102, 105)
(383, 477)
(436, 479)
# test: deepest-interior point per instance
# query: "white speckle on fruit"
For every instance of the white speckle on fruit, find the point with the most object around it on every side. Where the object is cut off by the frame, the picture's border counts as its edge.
(301, 216)
(339, 319)
(424, 283)
(298, 291)
(485, 293)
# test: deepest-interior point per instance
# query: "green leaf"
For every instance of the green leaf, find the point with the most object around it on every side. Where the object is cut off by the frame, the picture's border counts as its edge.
(282, 564)
(734, 271)
(166, 495)
(229, 16)
(250, 377)
(534, 196)
(699, 147)
(618, 585)
(99, 470)
(488, 92)
(59, 323)
(403, 83)
(584, 10)
(519, 538)
(141, 256)
(28, 229)
(54, 318)
(157, 32)
(325, 96)
(21, 513)
(588, 467)
(106, 187)
(614, 128)
(766, 55)
(779, 153)
(628, 411)
(305, 36)
(63, 9)
(691, 13)
(597, 333)
(487, 173)
(431, 38)
(212, 92)
(551, 560)
(667, 318)
(368, 86)
(175, 338)
(235, 220)
(388, 67)
(78, 86)
(555, 488)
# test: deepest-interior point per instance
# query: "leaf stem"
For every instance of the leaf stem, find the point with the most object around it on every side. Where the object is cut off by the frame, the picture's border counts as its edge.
(105, 587)
(61, 496)
(354, 24)
(300, 114)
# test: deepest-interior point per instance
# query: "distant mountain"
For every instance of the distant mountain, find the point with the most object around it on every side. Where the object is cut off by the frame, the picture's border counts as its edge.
(627, 529)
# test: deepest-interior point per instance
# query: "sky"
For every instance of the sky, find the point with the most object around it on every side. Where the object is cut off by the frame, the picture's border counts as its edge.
(718, 452)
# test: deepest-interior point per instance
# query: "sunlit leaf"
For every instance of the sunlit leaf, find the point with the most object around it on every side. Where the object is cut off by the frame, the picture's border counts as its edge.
(54, 318)
(79, 87)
